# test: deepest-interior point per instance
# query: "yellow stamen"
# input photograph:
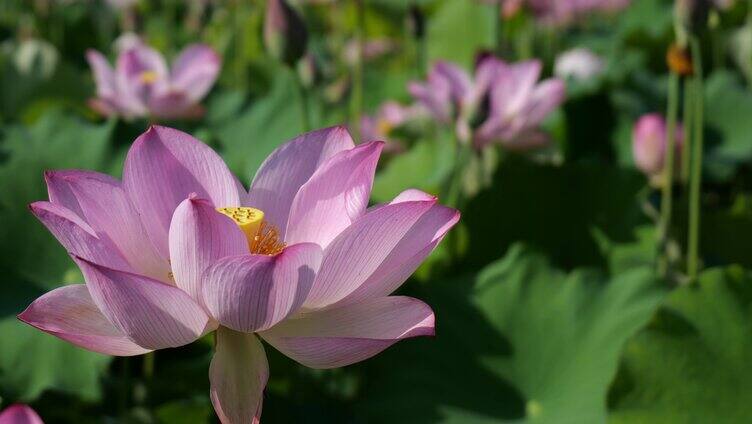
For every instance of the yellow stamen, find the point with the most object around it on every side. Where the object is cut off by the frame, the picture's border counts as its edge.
(263, 238)
(148, 77)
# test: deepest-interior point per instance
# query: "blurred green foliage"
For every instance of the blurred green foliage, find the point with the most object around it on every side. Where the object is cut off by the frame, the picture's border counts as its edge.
(548, 308)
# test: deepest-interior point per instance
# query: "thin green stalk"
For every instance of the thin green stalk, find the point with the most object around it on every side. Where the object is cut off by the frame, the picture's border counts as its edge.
(305, 111)
(149, 365)
(454, 195)
(749, 24)
(415, 28)
(421, 57)
(238, 62)
(715, 37)
(356, 100)
(695, 181)
(462, 154)
(59, 27)
(668, 171)
(499, 28)
(141, 389)
(689, 90)
(525, 39)
(125, 391)
(128, 19)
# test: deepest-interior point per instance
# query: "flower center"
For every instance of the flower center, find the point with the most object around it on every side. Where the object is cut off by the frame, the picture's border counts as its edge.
(263, 238)
(384, 126)
(148, 77)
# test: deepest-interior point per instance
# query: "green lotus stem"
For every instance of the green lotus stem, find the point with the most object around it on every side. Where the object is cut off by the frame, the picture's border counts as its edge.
(304, 110)
(125, 391)
(462, 154)
(237, 63)
(454, 196)
(356, 100)
(499, 27)
(688, 116)
(415, 27)
(421, 57)
(749, 23)
(695, 180)
(525, 40)
(668, 171)
(47, 14)
(149, 365)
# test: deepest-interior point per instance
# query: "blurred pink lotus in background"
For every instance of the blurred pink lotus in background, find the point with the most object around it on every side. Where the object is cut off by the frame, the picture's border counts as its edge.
(179, 248)
(19, 414)
(372, 49)
(389, 117)
(141, 85)
(649, 140)
(561, 12)
(504, 103)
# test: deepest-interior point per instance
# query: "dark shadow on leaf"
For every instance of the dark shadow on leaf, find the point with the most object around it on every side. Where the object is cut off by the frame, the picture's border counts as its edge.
(552, 209)
(445, 372)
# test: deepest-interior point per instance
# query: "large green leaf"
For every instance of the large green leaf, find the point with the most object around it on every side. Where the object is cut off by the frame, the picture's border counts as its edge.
(459, 29)
(528, 342)
(56, 141)
(691, 365)
(425, 166)
(32, 361)
(267, 123)
(646, 19)
(726, 234)
(25, 93)
(641, 252)
(32, 261)
(554, 208)
(728, 127)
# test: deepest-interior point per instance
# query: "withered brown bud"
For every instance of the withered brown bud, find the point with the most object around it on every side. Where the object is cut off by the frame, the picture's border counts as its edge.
(679, 60)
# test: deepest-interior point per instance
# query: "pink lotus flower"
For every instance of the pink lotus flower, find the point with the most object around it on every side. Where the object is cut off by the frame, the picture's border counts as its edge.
(142, 85)
(372, 49)
(19, 414)
(179, 248)
(649, 140)
(561, 12)
(389, 117)
(516, 102)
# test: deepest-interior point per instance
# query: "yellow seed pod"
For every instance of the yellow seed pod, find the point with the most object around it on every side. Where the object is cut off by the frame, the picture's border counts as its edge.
(248, 219)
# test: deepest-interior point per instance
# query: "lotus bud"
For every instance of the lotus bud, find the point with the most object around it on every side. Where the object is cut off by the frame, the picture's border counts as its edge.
(307, 70)
(649, 144)
(417, 22)
(579, 64)
(20, 414)
(36, 57)
(285, 34)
